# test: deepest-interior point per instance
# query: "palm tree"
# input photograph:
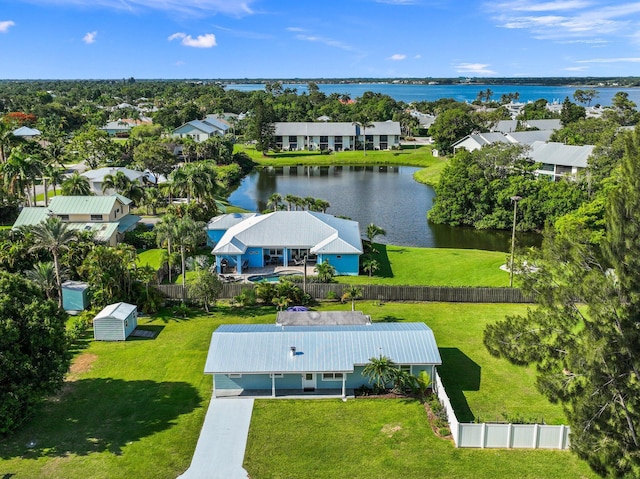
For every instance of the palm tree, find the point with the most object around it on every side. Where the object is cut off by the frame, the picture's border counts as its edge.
(321, 205)
(370, 266)
(190, 233)
(55, 176)
(373, 231)
(44, 275)
(53, 236)
(291, 200)
(195, 180)
(118, 182)
(153, 198)
(380, 371)
(275, 200)
(15, 173)
(352, 293)
(364, 124)
(166, 234)
(76, 185)
(325, 271)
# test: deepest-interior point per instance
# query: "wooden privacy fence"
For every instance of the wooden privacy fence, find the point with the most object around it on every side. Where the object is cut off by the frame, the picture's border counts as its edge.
(384, 293)
(488, 435)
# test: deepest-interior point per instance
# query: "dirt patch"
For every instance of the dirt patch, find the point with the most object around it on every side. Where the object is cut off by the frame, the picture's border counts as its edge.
(390, 429)
(80, 365)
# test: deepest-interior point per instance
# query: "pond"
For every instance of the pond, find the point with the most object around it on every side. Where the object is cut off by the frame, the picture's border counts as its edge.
(387, 196)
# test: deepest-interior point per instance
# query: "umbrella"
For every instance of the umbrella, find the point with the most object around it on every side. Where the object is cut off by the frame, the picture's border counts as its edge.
(297, 308)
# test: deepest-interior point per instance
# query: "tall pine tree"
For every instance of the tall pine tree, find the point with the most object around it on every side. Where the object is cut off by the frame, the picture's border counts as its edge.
(584, 336)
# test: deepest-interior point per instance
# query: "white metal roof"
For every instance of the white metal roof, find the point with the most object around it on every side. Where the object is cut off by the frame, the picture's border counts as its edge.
(320, 232)
(100, 173)
(266, 348)
(116, 310)
(560, 154)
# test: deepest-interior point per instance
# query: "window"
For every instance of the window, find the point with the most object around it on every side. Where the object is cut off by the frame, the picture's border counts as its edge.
(234, 376)
(406, 368)
(332, 376)
(64, 217)
(96, 217)
(276, 375)
(293, 139)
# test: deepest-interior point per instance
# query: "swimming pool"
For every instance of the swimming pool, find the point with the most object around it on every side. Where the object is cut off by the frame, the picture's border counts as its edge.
(272, 277)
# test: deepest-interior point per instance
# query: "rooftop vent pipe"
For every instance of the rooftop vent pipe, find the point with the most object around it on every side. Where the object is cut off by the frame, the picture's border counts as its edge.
(293, 351)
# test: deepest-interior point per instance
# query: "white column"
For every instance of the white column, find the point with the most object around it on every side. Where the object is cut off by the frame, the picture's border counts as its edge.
(273, 385)
(344, 385)
(483, 435)
(509, 435)
(536, 431)
(213, 377)
(561, 441)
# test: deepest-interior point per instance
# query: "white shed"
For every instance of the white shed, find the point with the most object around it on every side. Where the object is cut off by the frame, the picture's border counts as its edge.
(115, 322)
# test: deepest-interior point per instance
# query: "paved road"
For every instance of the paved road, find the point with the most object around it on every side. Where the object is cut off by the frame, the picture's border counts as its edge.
(220, 450)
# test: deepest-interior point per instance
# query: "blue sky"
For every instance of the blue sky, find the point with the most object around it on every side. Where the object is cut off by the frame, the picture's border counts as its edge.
(324, 38)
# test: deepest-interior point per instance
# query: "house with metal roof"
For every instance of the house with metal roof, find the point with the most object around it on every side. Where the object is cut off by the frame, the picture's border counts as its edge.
(107, 217)
(336, 136)
(201, 130)
(286, 238)
(27, 133)
(254, 358)
(218, 225)
(558, 160)
(476, 141)
(96, 177)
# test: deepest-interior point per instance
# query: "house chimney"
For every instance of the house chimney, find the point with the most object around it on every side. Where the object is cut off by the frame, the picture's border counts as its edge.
(293, 351)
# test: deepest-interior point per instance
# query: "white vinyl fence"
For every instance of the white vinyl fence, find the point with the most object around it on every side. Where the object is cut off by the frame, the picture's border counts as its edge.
(487, 435)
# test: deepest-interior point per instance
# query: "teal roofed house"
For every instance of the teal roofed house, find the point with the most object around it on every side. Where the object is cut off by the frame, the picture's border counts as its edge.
(286, 238)
(254, 359)
(108, 217)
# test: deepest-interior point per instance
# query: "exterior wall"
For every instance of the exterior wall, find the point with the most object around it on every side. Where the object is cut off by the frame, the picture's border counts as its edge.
(108, 329)
(75, 299)
(113, 329)
(254, 256)
(213, 236)
(117, 212)
(345, 264)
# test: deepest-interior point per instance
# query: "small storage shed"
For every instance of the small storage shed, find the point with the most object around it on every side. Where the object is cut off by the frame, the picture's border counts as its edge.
(115, 322)
(75, 296)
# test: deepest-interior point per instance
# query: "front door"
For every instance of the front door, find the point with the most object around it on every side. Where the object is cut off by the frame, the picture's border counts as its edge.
(309, 382)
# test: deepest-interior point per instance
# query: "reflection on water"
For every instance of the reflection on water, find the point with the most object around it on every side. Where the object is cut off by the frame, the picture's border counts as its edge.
(385, 195)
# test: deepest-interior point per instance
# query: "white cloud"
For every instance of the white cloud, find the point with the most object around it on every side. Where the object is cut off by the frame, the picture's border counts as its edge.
(191, 7)
(612, 60)
(527, 6)
(474, 68)
(295, 29)
(567, 19)
(207, 40)
(326, 41)
(90, 37)
(418, 56)
(5, 25)
(397, 57)
(576, 69)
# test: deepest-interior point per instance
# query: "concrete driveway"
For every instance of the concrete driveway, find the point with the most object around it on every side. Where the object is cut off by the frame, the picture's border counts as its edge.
(220, 450)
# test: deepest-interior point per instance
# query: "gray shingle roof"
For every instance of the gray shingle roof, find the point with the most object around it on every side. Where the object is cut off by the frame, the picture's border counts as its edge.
(265, 348)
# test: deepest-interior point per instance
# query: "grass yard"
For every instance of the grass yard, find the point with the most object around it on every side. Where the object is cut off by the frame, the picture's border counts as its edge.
(407, 156)
(135, 409)
(375, 439)
(403, 265)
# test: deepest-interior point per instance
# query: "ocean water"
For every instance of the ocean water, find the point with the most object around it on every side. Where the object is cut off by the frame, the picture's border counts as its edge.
(463, 92)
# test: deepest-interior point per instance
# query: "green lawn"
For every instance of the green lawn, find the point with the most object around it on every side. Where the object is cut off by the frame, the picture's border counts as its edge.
(408, 156)
(375, 439)
(135, 409)
(403, 265)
